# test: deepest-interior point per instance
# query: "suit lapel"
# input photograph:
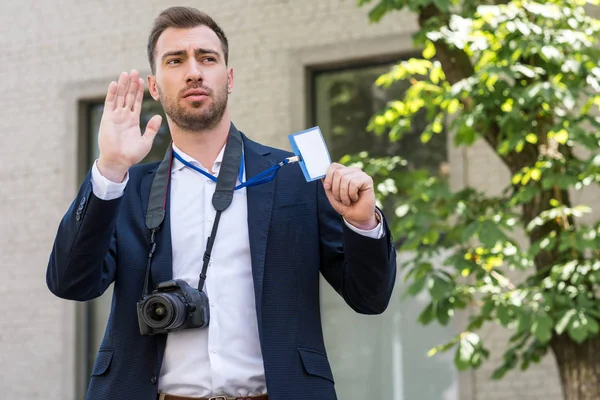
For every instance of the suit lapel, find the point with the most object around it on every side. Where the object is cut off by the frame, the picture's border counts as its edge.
(260, 204)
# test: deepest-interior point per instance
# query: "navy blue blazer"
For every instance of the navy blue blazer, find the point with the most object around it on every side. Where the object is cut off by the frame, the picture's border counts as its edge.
(295, 234)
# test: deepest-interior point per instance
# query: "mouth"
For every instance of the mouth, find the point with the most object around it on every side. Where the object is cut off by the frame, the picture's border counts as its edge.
(195, 95)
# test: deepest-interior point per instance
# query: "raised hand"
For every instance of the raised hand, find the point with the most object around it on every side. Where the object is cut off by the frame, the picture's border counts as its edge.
(350, 192)
(120, 138)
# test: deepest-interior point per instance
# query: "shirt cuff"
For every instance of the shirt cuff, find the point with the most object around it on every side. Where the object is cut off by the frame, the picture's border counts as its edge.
(105, 189)
(375, 233)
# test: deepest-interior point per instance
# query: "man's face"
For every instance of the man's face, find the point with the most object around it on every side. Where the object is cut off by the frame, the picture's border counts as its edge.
(192, 81)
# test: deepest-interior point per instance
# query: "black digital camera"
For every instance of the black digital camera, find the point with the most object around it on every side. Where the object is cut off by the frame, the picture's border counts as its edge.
(173, 306)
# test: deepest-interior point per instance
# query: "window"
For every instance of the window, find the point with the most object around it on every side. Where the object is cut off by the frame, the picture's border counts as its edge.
(383, 356)
(98, 309)
(345, 100)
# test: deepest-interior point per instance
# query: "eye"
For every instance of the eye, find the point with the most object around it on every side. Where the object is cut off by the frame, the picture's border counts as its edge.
(173, 61)
(210, 59)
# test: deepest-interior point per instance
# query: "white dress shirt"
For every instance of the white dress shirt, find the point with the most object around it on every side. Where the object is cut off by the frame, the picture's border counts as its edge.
(224, 359)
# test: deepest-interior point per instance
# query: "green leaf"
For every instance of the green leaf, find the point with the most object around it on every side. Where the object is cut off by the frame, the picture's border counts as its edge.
(429, 51)
(378, 11)
(439, 287)
(593, 325)
(464, 352)
(578, 328)
(442, 5)
(542, 328)
(417, 286)
(469, 231)
(564, 322)
(524, 323)
(503, 314)
(443, 313)
(489, 234)
(427, 315)
(468, 352)
(531, 138)
(561, 136)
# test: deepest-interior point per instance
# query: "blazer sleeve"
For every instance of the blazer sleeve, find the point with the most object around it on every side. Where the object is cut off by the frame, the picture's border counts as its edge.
(361, 269)
(82, 263)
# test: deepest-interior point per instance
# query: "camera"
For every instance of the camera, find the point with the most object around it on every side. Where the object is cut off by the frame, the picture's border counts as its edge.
(173, 306)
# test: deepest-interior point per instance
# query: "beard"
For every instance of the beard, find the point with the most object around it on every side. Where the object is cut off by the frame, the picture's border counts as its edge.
(196, 120)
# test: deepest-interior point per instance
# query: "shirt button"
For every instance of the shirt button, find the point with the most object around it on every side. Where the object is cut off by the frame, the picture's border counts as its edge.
(153, 380)
(210, 218)
(214, 351)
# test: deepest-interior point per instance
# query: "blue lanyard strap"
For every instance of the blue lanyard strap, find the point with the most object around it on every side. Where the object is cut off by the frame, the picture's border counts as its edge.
(264, 177)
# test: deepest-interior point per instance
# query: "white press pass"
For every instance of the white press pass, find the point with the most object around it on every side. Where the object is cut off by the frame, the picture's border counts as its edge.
(310, 146)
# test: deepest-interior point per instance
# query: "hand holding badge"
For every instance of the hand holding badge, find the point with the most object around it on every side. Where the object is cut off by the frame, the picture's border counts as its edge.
(349, 190)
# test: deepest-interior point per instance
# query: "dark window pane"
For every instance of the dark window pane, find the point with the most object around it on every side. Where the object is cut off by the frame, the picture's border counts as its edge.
(345, 100)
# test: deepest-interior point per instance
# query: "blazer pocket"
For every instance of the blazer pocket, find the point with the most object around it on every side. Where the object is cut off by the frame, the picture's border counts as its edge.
(315, 363)
(102, 363)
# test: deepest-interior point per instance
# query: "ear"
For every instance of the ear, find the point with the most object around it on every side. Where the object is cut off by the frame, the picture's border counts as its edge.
(230, 80)
(153, 88)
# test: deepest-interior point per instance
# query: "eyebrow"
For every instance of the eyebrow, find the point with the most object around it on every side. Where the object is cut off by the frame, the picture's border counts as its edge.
(197, 52)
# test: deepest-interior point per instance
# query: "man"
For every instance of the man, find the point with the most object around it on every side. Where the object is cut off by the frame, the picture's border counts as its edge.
(264, 337)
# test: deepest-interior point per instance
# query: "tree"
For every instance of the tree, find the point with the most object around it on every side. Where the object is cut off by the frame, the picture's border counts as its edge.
(523, 76)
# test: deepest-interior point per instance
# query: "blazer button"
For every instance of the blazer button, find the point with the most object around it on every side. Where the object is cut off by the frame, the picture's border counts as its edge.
(83, 200)
(153, 380)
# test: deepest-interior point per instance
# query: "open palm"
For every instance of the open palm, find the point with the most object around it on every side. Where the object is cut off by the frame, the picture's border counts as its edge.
(120, 138)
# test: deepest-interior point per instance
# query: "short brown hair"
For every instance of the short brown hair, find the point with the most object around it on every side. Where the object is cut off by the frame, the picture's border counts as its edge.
(182, 17)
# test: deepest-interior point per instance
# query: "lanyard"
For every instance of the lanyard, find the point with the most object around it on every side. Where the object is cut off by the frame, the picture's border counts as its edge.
(264, 177)
(209, 176)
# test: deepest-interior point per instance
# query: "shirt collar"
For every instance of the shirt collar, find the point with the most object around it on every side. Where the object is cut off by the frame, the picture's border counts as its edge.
(178, 165)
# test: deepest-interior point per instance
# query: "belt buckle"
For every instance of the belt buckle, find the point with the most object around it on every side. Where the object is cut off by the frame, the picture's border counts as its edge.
(217, 398)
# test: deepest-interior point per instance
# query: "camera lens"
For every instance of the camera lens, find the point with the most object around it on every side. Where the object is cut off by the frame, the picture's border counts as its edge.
(164, 311)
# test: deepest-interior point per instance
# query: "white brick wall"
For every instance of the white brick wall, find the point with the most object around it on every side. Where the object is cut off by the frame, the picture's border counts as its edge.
(52, 51)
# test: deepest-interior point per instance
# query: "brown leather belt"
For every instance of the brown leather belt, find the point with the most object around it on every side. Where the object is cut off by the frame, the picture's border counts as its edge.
(164, 396)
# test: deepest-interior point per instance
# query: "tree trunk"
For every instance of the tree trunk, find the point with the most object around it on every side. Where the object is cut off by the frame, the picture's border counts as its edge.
(579, 367)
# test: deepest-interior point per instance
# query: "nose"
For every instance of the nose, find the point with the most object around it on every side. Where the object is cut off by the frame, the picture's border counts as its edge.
(194, 73)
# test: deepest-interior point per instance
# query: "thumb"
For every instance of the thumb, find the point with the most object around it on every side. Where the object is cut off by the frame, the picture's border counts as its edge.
(152, 127)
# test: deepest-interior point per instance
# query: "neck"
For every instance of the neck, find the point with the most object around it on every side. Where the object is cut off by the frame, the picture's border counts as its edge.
(203, 146)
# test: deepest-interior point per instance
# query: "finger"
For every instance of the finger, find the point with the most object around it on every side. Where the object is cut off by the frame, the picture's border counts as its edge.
(139, 97)
(338, 175)
(122, 89)
(152, 128)
(111, 96)
(348, 182)
(360, 183)
(354, 188)
(328, 181)
(132, 89)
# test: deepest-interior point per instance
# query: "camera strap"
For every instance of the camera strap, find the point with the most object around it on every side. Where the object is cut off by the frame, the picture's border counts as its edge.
(222, 198)
(231, 167)
(223, 195)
